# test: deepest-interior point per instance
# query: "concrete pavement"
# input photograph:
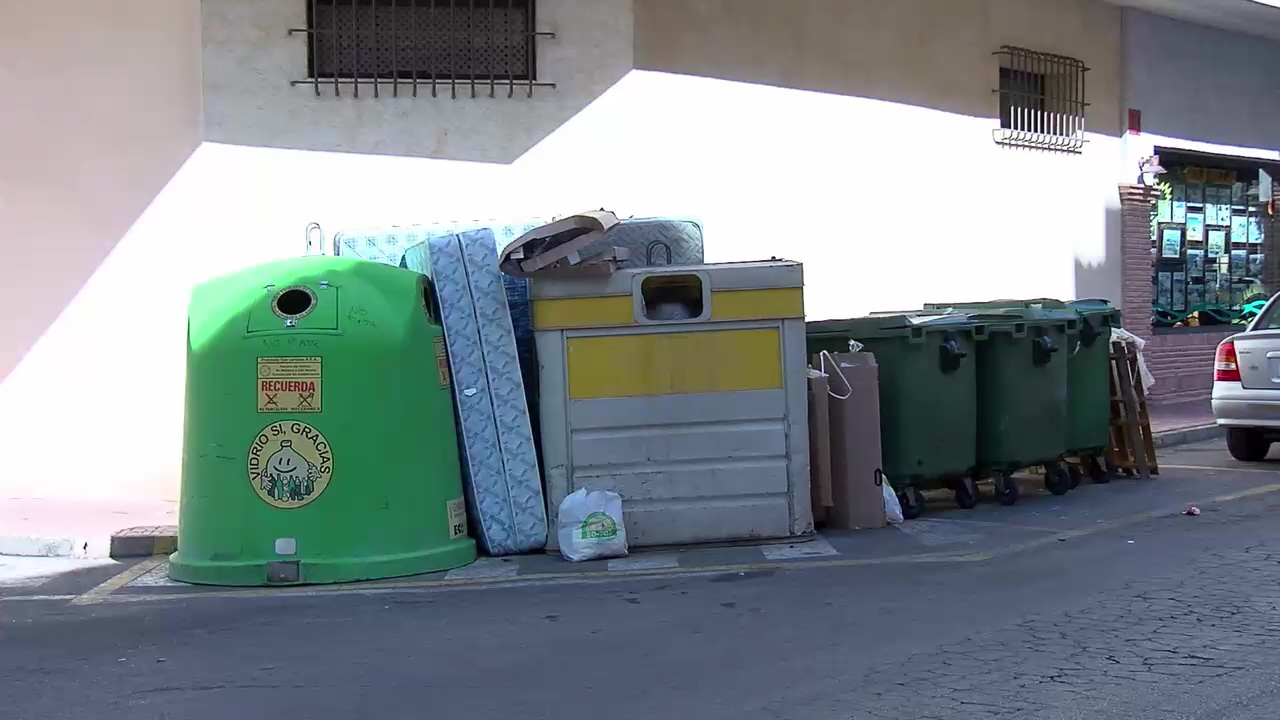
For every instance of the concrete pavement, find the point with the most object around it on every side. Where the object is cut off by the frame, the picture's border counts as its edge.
(1137, 613)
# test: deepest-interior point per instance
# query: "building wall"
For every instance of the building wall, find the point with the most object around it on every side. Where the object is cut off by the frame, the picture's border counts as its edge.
(250, 59)
(855, 136)
(863, 146)
(1200, 89)
(102, 108)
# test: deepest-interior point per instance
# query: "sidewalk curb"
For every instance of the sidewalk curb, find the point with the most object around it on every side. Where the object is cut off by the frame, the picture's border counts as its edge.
(1186, 436)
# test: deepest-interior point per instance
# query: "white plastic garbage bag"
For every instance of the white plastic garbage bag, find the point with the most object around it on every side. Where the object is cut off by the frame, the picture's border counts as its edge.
(590, 526)
(892, 508)
(1129, 338)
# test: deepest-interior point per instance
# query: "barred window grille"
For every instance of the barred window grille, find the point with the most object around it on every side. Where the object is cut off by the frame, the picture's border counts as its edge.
(376, 46)
(1042, 100)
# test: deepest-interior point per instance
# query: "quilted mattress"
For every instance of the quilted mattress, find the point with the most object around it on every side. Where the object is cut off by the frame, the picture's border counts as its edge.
(415, 257)
(504, 487)
(382, 245)
(658, 241)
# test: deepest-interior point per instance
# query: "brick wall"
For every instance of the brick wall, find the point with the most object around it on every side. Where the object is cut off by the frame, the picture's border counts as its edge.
(1182, 363)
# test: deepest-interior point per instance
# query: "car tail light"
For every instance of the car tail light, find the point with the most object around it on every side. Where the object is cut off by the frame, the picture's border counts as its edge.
(1225, 368)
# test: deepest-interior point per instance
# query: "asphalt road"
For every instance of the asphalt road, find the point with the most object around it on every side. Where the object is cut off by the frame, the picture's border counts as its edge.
(1163, 616)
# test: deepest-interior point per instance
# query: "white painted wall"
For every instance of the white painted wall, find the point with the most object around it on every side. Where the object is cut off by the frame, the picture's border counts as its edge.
(1200, 88)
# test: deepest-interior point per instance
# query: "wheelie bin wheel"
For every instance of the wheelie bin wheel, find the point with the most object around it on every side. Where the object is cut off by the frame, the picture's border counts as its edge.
(966, 493)
(912, 502)
(1057, 479)
(1076, 475)
(1097, 472)
(1006, 489)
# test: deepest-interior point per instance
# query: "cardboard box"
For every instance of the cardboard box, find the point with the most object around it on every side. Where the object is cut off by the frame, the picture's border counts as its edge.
(854, 414)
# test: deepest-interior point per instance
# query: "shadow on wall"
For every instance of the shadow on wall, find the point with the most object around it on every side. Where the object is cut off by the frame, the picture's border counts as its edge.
(82, 159)
(1211, 68)
(1105, 277)
(924, 53)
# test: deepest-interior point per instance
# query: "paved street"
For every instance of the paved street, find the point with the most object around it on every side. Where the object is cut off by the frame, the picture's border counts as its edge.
(1106, 603)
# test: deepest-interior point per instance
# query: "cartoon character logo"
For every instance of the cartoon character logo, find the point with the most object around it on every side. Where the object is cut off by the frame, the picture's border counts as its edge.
(289, 477)
(290, 464)
(598, 526)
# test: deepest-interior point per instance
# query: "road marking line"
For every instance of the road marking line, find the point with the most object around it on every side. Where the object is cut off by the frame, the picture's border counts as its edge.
(115, 582)
(995, 524)
(1134, 519)
(17, 598)
(644, 562)
(1212, 468)
(817, 547)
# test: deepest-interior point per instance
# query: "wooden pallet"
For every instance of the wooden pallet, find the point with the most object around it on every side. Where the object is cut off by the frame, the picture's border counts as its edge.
(1132, 446)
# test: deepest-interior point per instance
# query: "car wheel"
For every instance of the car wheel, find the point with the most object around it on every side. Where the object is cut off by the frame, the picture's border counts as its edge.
(1247, 445)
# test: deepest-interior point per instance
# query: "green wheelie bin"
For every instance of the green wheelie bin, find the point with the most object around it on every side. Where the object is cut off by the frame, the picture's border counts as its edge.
(1089, 380)
(928, 397)
(1022, 395)
(1088, 376)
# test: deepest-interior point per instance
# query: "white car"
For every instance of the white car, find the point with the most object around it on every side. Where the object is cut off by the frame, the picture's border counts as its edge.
(1246, 386)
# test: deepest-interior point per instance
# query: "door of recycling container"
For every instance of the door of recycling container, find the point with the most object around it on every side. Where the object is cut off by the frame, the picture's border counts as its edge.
(319, 442)
(928, 388)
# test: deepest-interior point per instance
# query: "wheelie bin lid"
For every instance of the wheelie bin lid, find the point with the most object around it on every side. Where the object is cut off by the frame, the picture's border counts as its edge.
(1096, 308)
(890, 324)
(985, 305)
(1010, 317)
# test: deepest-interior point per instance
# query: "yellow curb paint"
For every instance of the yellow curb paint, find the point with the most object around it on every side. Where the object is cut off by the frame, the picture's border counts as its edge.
(115, 582)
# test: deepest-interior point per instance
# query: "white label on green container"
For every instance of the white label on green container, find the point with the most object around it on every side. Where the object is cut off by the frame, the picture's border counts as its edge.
(457, 509)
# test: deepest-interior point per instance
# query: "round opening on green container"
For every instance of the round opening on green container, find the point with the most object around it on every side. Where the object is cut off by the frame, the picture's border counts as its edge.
(294, 302)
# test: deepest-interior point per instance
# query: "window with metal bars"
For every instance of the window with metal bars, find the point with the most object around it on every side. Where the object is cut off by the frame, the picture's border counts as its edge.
(1042, 100)
(408, 45)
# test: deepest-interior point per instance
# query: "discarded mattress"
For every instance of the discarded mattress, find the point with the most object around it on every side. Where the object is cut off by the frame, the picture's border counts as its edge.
(380, 245)
(658, 241)
(500, 466)
(417, 258)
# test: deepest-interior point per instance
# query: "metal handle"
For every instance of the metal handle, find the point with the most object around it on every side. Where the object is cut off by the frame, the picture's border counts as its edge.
(315, 229)
(1088, 333)
(950, 353)
(656, 244)
(1043, 348)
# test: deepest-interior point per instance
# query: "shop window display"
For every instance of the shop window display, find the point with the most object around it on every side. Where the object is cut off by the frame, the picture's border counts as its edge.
(1211, 231)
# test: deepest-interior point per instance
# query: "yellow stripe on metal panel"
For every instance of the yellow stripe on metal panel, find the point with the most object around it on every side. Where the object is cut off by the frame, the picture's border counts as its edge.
(757, 304)
(568, 313)
(710, 361)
